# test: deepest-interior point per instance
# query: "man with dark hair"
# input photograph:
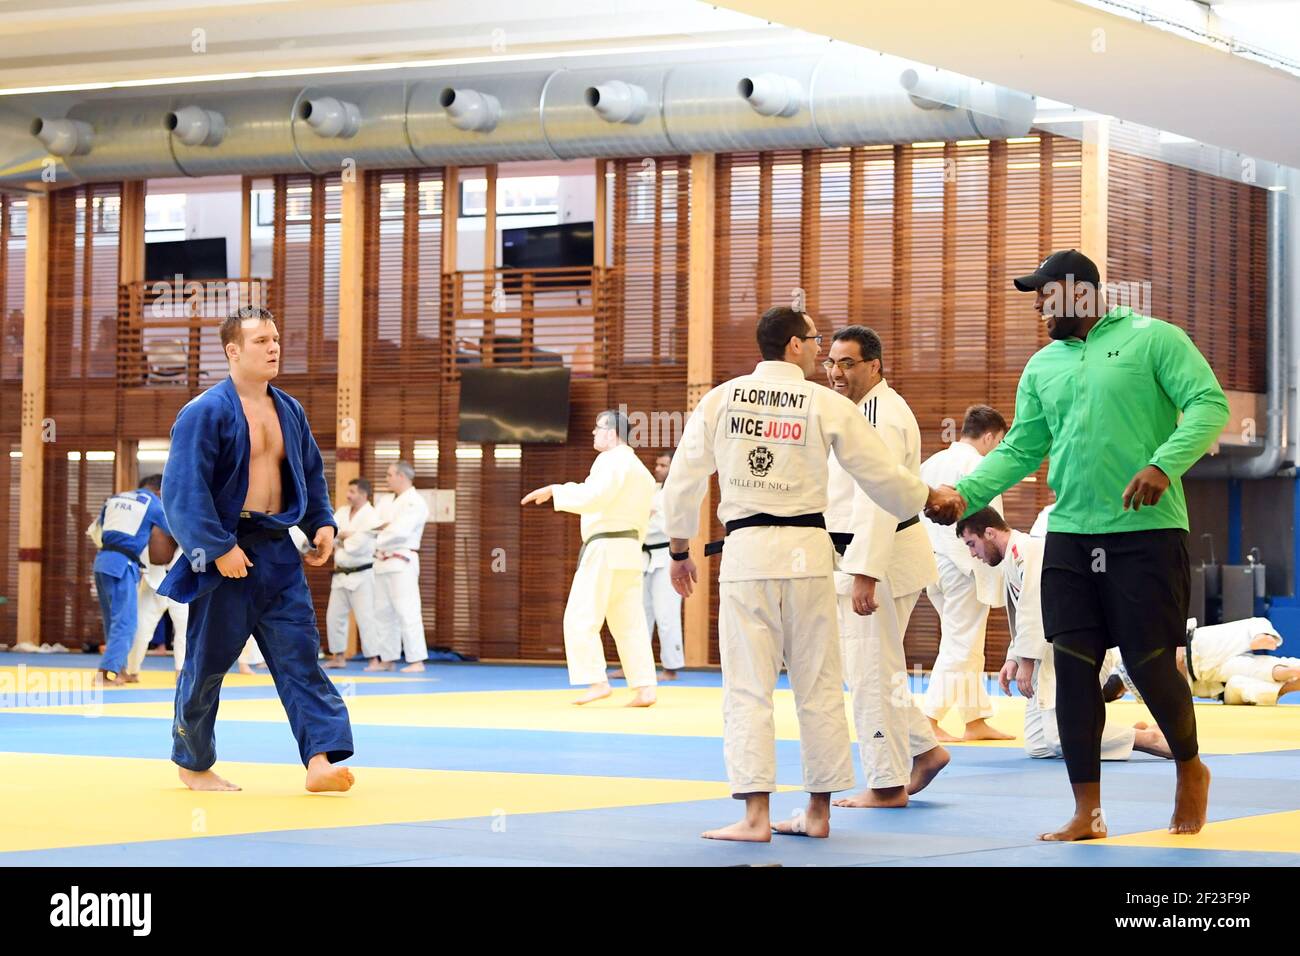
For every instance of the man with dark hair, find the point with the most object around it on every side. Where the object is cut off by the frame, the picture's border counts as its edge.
(158, 559)
(124, 528)
(399, 613)
(352, 585)
(614, 503)
(243, 469)
(768, 435)
(1029, 664)
(886, 564)
(1103, 402)
(963, 593)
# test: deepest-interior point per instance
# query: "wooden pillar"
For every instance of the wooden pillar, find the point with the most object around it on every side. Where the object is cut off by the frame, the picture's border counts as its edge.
(30, 494)
(246, 227)
(347, 434)
(1094, 193)
(699, 379)
(130, 270)
(488, 340)
(600, 237)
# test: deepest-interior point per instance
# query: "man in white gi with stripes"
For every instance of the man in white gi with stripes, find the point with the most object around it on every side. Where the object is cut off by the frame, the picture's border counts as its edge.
(352, 585)
(614, 503)
(885, 566)
(1030, 663)
(663, 605)
(965, 591)
(767, 435)
(398, 613)
(158, 558)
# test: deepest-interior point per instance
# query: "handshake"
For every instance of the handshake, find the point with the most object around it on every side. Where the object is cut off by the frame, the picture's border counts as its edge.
(945, 505)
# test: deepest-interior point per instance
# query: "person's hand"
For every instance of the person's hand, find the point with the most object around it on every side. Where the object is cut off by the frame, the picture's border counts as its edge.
(683, 576)
(324, 546)
(1146, 488)
(1007, 675)
(234, 563)
(1025, 678)
(864, 594)
(945, 505)
(538, 497)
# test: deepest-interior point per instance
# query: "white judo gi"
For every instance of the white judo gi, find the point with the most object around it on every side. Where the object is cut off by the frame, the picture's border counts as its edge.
(354, 590)
(150, 608)
(607, 585)
(966, 590)
(1022, 571)
(768, 436)
(399, 619)
(891, 728)
(663, 605)
(1225, 665)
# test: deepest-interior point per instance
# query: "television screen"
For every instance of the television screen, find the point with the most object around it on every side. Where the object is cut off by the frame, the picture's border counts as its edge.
(191, 258)
(568, 244)
(514, 404)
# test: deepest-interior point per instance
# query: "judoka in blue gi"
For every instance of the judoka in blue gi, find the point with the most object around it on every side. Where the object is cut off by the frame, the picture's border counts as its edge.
(243, 469)
(125, 523)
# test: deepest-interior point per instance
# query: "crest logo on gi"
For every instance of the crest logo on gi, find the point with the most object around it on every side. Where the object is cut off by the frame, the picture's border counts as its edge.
(760, 461)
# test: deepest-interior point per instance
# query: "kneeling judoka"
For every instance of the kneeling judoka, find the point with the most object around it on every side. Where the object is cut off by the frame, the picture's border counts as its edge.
(244, 469)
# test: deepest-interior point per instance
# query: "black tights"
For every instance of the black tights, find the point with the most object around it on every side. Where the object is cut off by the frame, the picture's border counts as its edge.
(1081, 712)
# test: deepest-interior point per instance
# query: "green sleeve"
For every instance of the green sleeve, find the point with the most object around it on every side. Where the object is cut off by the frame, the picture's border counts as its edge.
(1020, 453)
(1188, 380)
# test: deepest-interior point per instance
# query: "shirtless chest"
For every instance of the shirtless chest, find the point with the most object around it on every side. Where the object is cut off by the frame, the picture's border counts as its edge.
(266, 455)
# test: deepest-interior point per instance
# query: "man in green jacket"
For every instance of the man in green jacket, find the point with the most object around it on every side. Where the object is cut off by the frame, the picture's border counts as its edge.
(1102, 402)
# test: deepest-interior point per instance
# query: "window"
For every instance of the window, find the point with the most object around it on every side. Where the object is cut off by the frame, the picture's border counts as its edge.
(517, 196)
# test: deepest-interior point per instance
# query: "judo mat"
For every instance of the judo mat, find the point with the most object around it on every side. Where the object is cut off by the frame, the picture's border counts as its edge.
(483, 764)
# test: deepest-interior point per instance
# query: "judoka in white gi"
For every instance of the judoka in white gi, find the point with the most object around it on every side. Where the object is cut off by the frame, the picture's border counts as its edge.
(1030, 662)
(158, 558)
(1225, 666)
(964, 593)
(399, 620)
(885, 566)
(768, 435)
(663, 605)
(352, 585)
(614, 503)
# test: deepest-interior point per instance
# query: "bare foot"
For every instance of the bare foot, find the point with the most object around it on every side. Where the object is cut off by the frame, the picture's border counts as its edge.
(204, 780)
(109, 678)
(669, 675)
(814, 821)
(131, 678)
(882, 798)
(1192, 798)
(377, 665)
(979, 730)
(335, 662)
(1090, 826)
(415, 668)
(594, 692)
(326, 777)
(1149, 741)
(645, 697)
(925, 767)
(746, 831)
(942, 735)
(244, 668)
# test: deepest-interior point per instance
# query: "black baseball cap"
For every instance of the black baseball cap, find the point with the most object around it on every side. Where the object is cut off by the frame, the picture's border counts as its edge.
(1057, 267)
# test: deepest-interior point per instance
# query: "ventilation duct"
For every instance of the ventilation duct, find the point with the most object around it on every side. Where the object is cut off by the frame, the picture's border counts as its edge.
(614, 106)
(195, 126)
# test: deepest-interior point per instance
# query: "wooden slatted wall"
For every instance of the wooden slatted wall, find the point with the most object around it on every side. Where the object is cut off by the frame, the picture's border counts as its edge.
(13, 231)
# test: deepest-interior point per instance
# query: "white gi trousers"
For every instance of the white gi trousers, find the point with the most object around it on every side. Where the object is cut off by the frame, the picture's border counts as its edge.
(357, 596)
(399, 620)
(957, 679)
(663, 606)
(761, 624)
(1043, 738)
(891, 728)
(150, 607)
(600, 593)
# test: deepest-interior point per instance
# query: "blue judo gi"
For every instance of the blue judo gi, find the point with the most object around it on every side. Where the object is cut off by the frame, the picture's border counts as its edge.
(205, 484)
(125, 522)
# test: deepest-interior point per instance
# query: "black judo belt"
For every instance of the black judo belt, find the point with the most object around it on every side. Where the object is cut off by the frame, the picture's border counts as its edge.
(839, 539)
(118, 549)
(605, 534)
(659, 546)
(253, 538)
(362, 567)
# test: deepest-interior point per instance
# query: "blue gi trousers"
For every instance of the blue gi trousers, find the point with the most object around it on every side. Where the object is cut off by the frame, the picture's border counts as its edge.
(117, 603)
(274, 605)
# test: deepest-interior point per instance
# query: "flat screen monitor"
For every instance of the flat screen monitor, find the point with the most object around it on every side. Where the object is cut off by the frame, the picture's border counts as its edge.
(191, 258)
(566, 245)
(514, 405)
